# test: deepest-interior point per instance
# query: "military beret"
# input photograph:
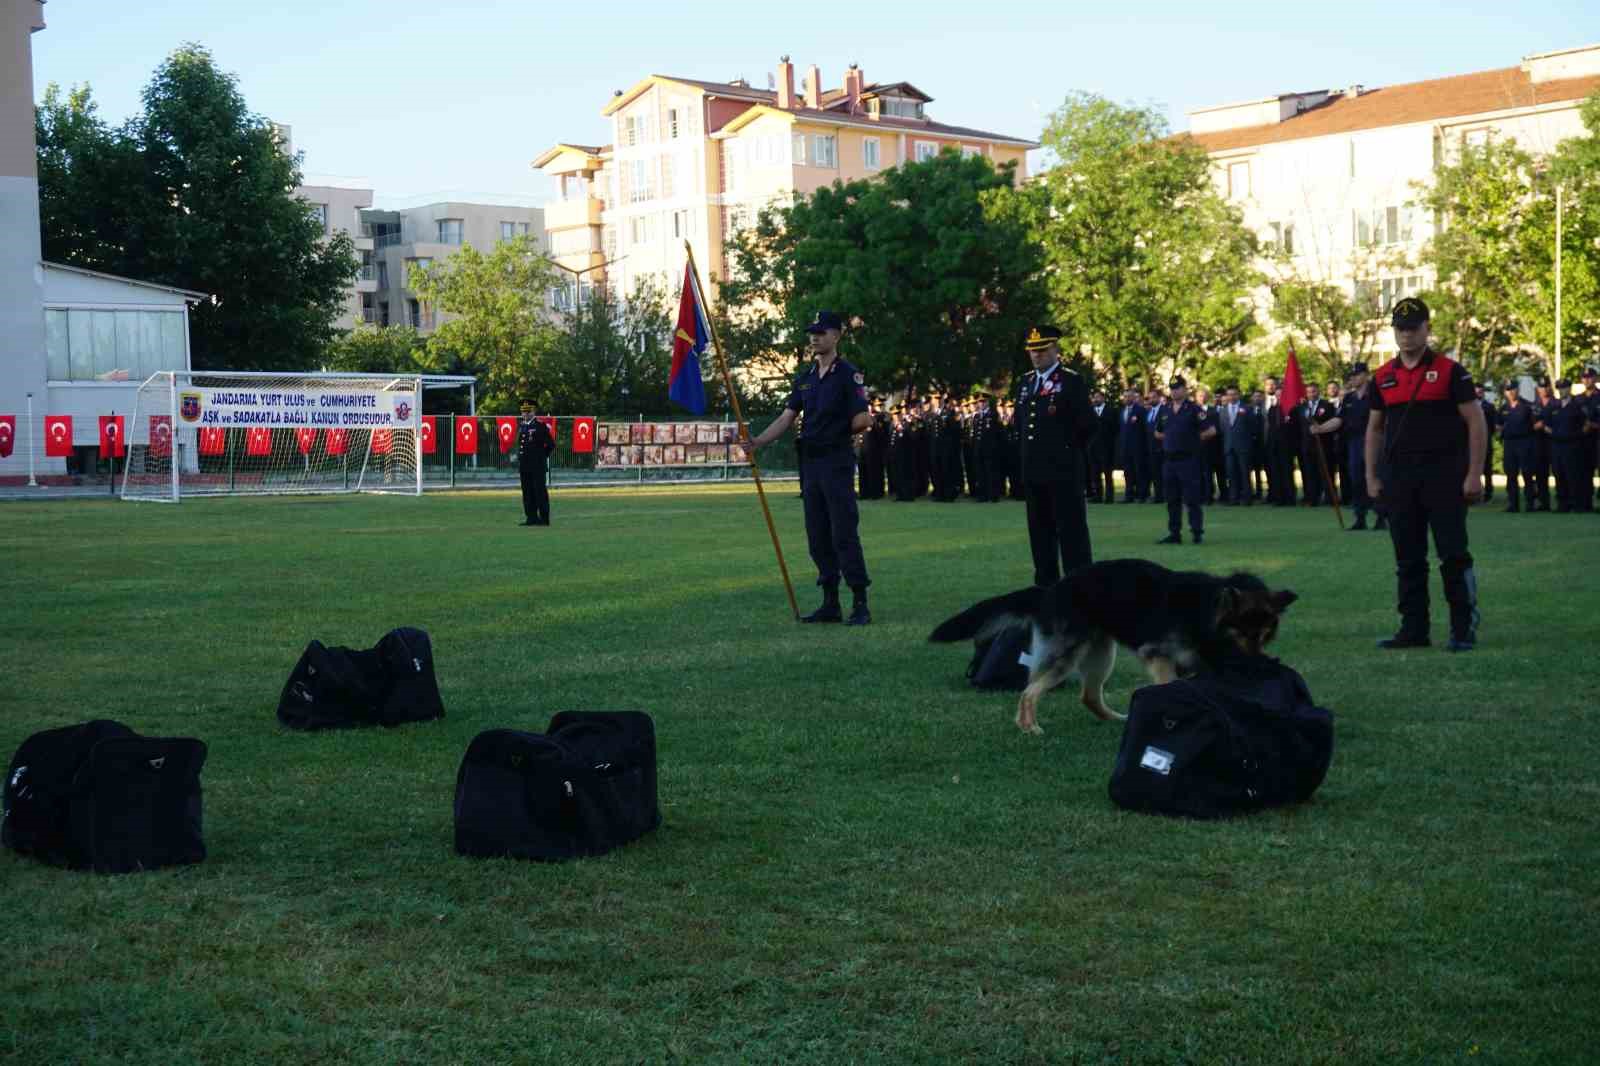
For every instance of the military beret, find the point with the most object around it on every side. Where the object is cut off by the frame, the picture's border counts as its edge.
(1041, 337)
(1409, 312)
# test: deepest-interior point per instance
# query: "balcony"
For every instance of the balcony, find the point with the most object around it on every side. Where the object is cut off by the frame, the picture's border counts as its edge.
(566, 214)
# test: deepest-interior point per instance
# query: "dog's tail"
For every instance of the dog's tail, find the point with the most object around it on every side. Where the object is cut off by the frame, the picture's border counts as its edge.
(991, 616)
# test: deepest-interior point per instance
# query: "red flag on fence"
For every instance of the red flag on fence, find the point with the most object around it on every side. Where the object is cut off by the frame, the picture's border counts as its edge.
(8, 434)
(550, 424)
(160, 436)
(583, 434)
(305, 438)
(258, 441)
(382, 441)
(57, 436)
(334, 440)
(1293, 393)
(111, 446)
(505, 427)
(466, 436)
(430, 442)
(213, 440)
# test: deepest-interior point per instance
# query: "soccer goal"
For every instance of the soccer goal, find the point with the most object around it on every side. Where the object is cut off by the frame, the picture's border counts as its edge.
(238, 433)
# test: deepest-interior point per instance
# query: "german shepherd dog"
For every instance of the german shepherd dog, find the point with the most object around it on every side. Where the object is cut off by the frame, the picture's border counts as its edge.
(1175, 621)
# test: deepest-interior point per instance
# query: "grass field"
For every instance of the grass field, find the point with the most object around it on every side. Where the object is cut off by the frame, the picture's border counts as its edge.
(862, 860)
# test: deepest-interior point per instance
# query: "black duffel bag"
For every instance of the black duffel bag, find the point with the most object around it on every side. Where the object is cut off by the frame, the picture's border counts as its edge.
(100, 796)
(339, 688)
(1223, 743)
(996, 660)
(583, 787)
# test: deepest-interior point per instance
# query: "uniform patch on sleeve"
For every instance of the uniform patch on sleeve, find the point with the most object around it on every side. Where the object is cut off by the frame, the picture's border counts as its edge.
(860, 380)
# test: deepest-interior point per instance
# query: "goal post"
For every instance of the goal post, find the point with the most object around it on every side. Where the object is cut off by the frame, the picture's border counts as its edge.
(254, 433)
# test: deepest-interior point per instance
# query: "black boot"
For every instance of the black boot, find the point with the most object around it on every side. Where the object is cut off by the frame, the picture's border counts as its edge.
(829, 611)
(1381, 523)
(1461, 592)
(1170, 538)
(1359, 525)
(859, 615)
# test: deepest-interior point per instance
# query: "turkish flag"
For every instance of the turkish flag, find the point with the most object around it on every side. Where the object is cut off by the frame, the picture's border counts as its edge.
(213, 440)
(334, 440)
(305, 438)
(58, 436)
(160, 436)
(466, 436)
(382, 441)
(550, 424)
(1293, 392)
(583, 434)
(430, 442)
(258, 441)
(111, 434)
(505, 427)
(8, 434)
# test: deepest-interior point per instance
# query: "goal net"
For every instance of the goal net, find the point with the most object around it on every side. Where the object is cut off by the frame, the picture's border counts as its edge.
(204, 433)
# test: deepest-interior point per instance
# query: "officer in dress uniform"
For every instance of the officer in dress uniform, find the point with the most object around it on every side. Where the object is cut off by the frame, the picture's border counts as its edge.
(1183, 427)
(1517, 447)
(534, 445)
(1056, 423)
(874, 452)
(1427, 424)
(1491, 419)
(1544, 407)
(833, 396)
(1564, 424)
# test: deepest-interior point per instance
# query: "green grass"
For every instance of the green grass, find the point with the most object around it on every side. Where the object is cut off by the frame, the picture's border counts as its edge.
(862, 860)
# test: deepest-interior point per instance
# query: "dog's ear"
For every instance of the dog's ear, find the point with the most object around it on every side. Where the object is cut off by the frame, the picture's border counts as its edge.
(1282, 599)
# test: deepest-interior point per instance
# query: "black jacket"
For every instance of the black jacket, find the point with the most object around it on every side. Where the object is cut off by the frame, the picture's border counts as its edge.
(1055, 423)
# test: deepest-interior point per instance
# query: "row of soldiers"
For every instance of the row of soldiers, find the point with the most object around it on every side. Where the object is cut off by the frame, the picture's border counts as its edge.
(945, 447)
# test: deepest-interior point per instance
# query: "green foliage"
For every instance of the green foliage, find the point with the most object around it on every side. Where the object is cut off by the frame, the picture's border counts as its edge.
(195, 192)
(1147, 266)
(861, 859)
(611, 355)
(1333, 327)
(371, 349)
(937, 276)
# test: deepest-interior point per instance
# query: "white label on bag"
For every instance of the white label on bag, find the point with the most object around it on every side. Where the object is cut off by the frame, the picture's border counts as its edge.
(1157, 760)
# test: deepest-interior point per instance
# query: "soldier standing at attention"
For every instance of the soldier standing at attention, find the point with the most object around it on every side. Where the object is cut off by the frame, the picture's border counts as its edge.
(832, 394)
(1517, 447)
(1055, 423)
(1183, 428)
(1564, 424)
(1544, 408)
(1490, 419)
(1426, 433)
(534, 445)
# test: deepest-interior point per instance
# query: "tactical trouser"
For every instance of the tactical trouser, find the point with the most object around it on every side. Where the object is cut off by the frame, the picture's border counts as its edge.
(1416, 505)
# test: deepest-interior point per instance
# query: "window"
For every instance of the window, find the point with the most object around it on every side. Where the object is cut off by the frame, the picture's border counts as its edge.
(898, 106)
(640, 186)
(1366, 297)
(608, 243)
(870, 153)
(1239, 180)
(1478, 138)
(449, 231)
(799, 149)
(641, 230)
(638, 129)
(680, 224)
(383, 313)
(88, 345)
(422, 263)
(1392, 290)
(667, 177)
(319, 212)
(672, 123)
(1382, 225)
(968, 151)
(926, 150)
(824, 150)
(508, 230)
(383, 273)
(1282, 237)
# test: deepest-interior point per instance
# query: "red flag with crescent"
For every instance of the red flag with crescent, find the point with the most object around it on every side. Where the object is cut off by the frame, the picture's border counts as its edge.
(583, 434)
(160, 436)
(466, 435)
(334, 440)
(57, 436)
(430, 429)
(305, 438)
(382, 441)
(8, 434)
(505, 428)
(258, 441)
(213, 440)
(111, 434)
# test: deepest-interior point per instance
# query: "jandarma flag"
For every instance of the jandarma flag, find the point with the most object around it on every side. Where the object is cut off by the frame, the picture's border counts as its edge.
(689, 343)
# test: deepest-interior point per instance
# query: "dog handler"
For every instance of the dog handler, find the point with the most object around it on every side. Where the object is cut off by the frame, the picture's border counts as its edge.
(832, 397)
(1425, 427)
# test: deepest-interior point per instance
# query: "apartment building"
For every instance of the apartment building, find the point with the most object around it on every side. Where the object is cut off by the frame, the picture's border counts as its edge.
(337, 206)
(694, 161)
(1329, 176)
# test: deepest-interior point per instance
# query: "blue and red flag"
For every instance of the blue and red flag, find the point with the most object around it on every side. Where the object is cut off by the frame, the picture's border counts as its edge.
(689, 343)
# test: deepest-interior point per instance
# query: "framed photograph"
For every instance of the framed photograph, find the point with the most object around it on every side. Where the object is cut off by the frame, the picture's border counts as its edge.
(706, 433)
(635, 454)
(694, 453)
(652, 454)
(683, 432)
(672, 455)
(609, 455)
(639, 433)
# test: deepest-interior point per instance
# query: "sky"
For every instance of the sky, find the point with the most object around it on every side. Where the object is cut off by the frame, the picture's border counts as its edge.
(425, 101)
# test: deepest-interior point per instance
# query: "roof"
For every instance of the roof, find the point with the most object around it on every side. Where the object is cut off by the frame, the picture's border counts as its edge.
(886, 123)
(550, 154)
(1400, 105)
(127, 281)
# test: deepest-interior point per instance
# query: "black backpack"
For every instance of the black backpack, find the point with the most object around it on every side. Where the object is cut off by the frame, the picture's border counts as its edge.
(583, 787)
(100, 796)
(1221, 744)
(337, 688)
(995, 660)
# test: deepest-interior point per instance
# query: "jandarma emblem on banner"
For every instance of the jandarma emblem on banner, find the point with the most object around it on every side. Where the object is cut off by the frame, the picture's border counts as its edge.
(295, 408)
(189, 406)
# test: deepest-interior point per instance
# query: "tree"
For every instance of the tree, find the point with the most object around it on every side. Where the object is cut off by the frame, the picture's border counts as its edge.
(379, 350)
(198, 193)
(1147, 266)
(612, 355)
(938, 280)
(1339, 328)
(500, 333)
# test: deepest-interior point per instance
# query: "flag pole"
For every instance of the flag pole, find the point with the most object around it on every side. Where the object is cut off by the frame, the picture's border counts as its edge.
(744, 433)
